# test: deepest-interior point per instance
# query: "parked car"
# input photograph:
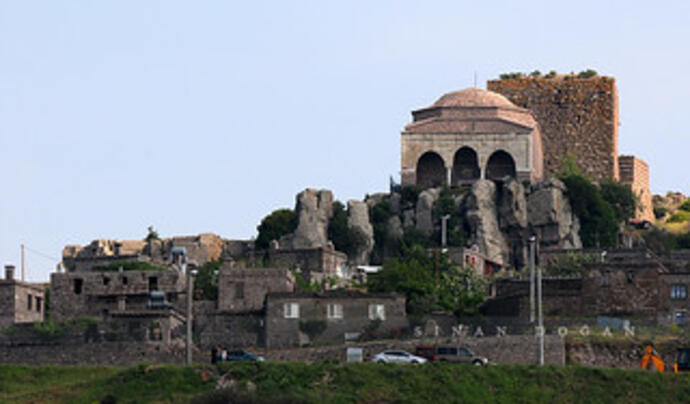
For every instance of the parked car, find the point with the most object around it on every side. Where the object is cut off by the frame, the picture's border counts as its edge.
(242, 355)
(395, 356)
(451, 354)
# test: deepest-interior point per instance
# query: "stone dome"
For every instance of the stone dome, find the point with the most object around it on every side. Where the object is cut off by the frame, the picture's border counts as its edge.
(473, 97)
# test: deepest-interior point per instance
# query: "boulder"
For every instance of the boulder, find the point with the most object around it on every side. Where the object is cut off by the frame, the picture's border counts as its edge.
(394, 228)
(408, 218)
(512, 206)
(550, 215)
(358, 218)
(483, 220)
(424, 210)
(314, 208)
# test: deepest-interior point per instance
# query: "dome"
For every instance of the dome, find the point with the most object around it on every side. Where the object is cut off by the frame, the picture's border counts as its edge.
(473, 97)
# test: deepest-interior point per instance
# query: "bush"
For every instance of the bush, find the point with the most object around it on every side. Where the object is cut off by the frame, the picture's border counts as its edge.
(445, 205)
(277, 224)
(621, 198)
(685, 206)
(130, 266)
(349, 240)
(206, 281)
(679, 216)
(598, 225)
(660, 212)
(409, 195)
(586, 74)
(570, 264)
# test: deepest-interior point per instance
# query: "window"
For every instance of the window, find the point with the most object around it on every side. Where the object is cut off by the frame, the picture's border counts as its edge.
(377, 312)
(29, 300)
(239, 290)
(630, 276)
(106, 280)
(604, 280)
(38, 304)
(124, 280)
(335, 311)
(153, 283)
(78, 283)
(291, 310)
(679, 292)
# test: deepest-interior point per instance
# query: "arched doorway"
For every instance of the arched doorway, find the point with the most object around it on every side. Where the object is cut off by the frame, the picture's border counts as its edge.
(431, 172)
(465, 166)
(499, 166)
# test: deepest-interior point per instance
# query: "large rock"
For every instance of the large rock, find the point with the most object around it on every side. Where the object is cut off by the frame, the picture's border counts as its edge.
(394, 228)
(424, 210)
(483, 220)
(358, 218)
(314, 208)
(512, 219)
(551, 217)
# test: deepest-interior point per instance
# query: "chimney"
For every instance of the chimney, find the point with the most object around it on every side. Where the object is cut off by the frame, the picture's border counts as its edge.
(9, 272)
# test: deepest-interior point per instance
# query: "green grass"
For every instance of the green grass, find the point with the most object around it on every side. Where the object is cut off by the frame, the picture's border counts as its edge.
(330, 382)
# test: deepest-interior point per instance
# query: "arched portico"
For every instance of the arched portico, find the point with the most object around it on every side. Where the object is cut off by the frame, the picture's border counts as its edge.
(431, 171)
(500, 165)
(465, 166)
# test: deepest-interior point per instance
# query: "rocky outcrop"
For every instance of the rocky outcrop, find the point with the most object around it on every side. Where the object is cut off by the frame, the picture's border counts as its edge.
(358, 218)
(512, 219)
(483, 220)
(551, 217)
(314, 208)
(424, 210)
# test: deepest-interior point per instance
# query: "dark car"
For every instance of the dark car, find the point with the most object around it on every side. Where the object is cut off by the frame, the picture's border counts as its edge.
(242, 355)
(451, 354)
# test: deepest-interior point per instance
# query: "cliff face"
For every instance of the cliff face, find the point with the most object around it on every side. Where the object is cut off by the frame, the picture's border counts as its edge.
(496, 217)
(578, 117)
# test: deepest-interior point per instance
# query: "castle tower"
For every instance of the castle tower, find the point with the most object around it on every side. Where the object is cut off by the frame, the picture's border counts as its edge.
(467, 135)
(578, 117)
(634, 172)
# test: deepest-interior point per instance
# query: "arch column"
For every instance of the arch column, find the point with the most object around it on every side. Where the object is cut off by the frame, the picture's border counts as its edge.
(449, 175)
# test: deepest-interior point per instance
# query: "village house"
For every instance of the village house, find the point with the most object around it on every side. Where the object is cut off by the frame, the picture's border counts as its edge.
(20, 302)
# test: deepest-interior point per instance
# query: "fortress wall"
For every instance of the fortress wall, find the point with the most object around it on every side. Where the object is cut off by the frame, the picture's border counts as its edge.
(635, 172)
(577, 116)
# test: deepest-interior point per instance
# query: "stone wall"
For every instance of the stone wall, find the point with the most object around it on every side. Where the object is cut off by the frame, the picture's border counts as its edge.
(578, 117)
(315, 263)
(634, 171)
(242, 290)
(313, 312)
(20, 302)
(77, 294)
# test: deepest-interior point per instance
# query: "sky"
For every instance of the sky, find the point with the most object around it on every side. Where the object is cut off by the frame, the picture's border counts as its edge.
(204, 116)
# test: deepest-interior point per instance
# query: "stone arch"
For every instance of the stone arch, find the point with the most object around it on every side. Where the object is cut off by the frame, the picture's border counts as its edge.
(500, 165)
(465, 166)
(431, 171)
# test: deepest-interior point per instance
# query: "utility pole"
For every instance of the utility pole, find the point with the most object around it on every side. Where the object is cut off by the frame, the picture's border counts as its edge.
(532, 241)
(23, 267)
(188, 339)
(541, 319)
(438, 271)
(444, 230)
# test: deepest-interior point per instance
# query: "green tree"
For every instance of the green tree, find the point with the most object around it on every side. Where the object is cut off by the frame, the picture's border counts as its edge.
(345, 238)
(277, 224)
(152, 234)
(462, 290)
(445, 205)
(598, 225)
(206, 281)
(621, 198)
(685, 206)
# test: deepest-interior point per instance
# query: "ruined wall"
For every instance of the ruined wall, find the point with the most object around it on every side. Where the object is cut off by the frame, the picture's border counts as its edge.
(577, 116)
(634, 171)
(242, 290)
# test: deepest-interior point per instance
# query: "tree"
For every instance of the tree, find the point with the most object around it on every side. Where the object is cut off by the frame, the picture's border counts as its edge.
(621, 198)
(277, 224)
(598, 225)
(206, 281)
(152, 234)
(345, 238)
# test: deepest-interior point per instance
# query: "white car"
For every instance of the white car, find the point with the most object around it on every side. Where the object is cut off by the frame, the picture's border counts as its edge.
(395, 356)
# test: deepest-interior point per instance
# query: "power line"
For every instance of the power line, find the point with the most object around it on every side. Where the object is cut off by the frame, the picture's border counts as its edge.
(40, 254)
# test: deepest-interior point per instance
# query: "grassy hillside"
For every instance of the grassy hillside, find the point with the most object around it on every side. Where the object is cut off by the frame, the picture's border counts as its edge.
(337, 383)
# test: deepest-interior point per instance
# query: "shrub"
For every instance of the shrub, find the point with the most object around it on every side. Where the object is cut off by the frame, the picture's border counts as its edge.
(445, 205)
(346, 239)
(551, 74)
(130, 266)
(535, 73)
(597, 217)
(570, 264)
(679, 216)
(512, 75)
(206, 281)
(586, 74)
(409, 195)
(660, 212)
(277, 224)
(621, 198)
(685, 206)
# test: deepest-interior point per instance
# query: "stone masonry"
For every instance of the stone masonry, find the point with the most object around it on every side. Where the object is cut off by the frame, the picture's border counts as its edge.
(20, 302)
(634, 171)
(578, 117)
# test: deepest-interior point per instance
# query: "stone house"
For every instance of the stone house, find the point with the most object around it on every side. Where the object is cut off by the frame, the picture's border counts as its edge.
(297, 319)
(20, 302)
(102, 293)
(244, 290)
(674, 304)
(317, 264)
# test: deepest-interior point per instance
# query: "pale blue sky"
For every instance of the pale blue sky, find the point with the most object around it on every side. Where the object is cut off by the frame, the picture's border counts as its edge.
(204, 116)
